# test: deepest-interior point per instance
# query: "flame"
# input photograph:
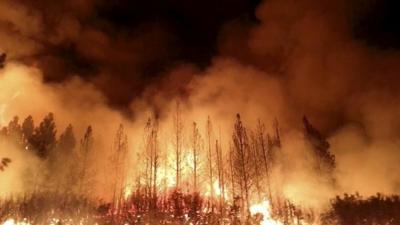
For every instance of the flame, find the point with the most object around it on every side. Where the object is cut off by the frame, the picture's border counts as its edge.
(14, 222)
(127, 192)
(264, 208)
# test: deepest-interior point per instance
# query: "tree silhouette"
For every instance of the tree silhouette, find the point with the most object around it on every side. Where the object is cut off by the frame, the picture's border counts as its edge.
(119, 164)
(27, 131)
(85, 149)
(44, 137)
(242, 161)
(326, 160)
(14, 130)
(67, 142)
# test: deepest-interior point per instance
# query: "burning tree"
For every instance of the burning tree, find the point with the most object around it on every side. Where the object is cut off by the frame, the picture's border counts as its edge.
(152, 161)
(178, 128)
(210, 158)
(250, 158)
(242, 162)
(118, 161)
(265, 150)
(196, 146)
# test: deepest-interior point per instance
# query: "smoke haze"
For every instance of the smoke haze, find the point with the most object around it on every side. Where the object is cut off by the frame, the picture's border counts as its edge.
(294, 58)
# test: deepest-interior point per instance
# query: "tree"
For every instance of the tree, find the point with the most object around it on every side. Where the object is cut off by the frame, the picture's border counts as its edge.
(326, 160)
(210, 158)
(14, 130)
(67, 142)
(196, 143)
(152, 160)
(220, 173)
(27, 131)
(64, 161)
(242, 161)
(119, 164)
(256, 156)
(265, 154)
(178, 127)
(44, 137)
(86, 146)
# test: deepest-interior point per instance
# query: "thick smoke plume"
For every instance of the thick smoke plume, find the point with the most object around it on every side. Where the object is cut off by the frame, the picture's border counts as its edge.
(301, 58)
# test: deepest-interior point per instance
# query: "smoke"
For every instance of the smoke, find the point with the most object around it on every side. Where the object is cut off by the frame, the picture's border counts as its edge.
(74, 102)
(21, 169)
(300, 58)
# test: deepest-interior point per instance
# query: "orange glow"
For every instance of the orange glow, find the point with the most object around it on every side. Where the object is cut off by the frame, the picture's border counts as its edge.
(264, 208)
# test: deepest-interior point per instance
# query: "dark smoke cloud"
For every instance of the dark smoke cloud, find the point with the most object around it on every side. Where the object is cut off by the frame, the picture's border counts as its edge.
(122, 44)
(313, 48)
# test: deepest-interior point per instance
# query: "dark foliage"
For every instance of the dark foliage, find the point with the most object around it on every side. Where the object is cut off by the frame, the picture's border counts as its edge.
(356, 210)
(44, 137)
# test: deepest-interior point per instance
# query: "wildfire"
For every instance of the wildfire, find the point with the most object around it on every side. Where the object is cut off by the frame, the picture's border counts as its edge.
(264, 208)
(14, 222)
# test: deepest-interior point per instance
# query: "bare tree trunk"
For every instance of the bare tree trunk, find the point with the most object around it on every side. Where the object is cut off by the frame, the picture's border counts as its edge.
(86, 145)
(195, 147)
(232, 172)
(119, 160)
(155, 157)
(210, 167)
(242, 162)
(265, 156)
(255, 159)
(178, 147)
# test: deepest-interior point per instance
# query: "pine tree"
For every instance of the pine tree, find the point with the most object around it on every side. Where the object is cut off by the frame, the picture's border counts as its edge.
(178, 127)
(265, 153)
(152, 160)
(326, 160)
(27, 131)
(242, 162)
(119, 163)
(14, 130)
(86, 146)
(67, 142)
(44, 137)
(65, 159)
(196, 139)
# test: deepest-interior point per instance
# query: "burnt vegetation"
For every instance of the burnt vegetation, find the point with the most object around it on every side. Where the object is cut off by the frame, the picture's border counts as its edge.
(234, 178)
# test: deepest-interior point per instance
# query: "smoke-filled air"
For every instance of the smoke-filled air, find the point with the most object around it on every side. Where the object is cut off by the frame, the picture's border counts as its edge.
(266, 112)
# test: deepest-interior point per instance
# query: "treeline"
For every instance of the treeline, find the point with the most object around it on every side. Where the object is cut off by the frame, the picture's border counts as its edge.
(209, 185)
(59, 154)
(240, 175)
